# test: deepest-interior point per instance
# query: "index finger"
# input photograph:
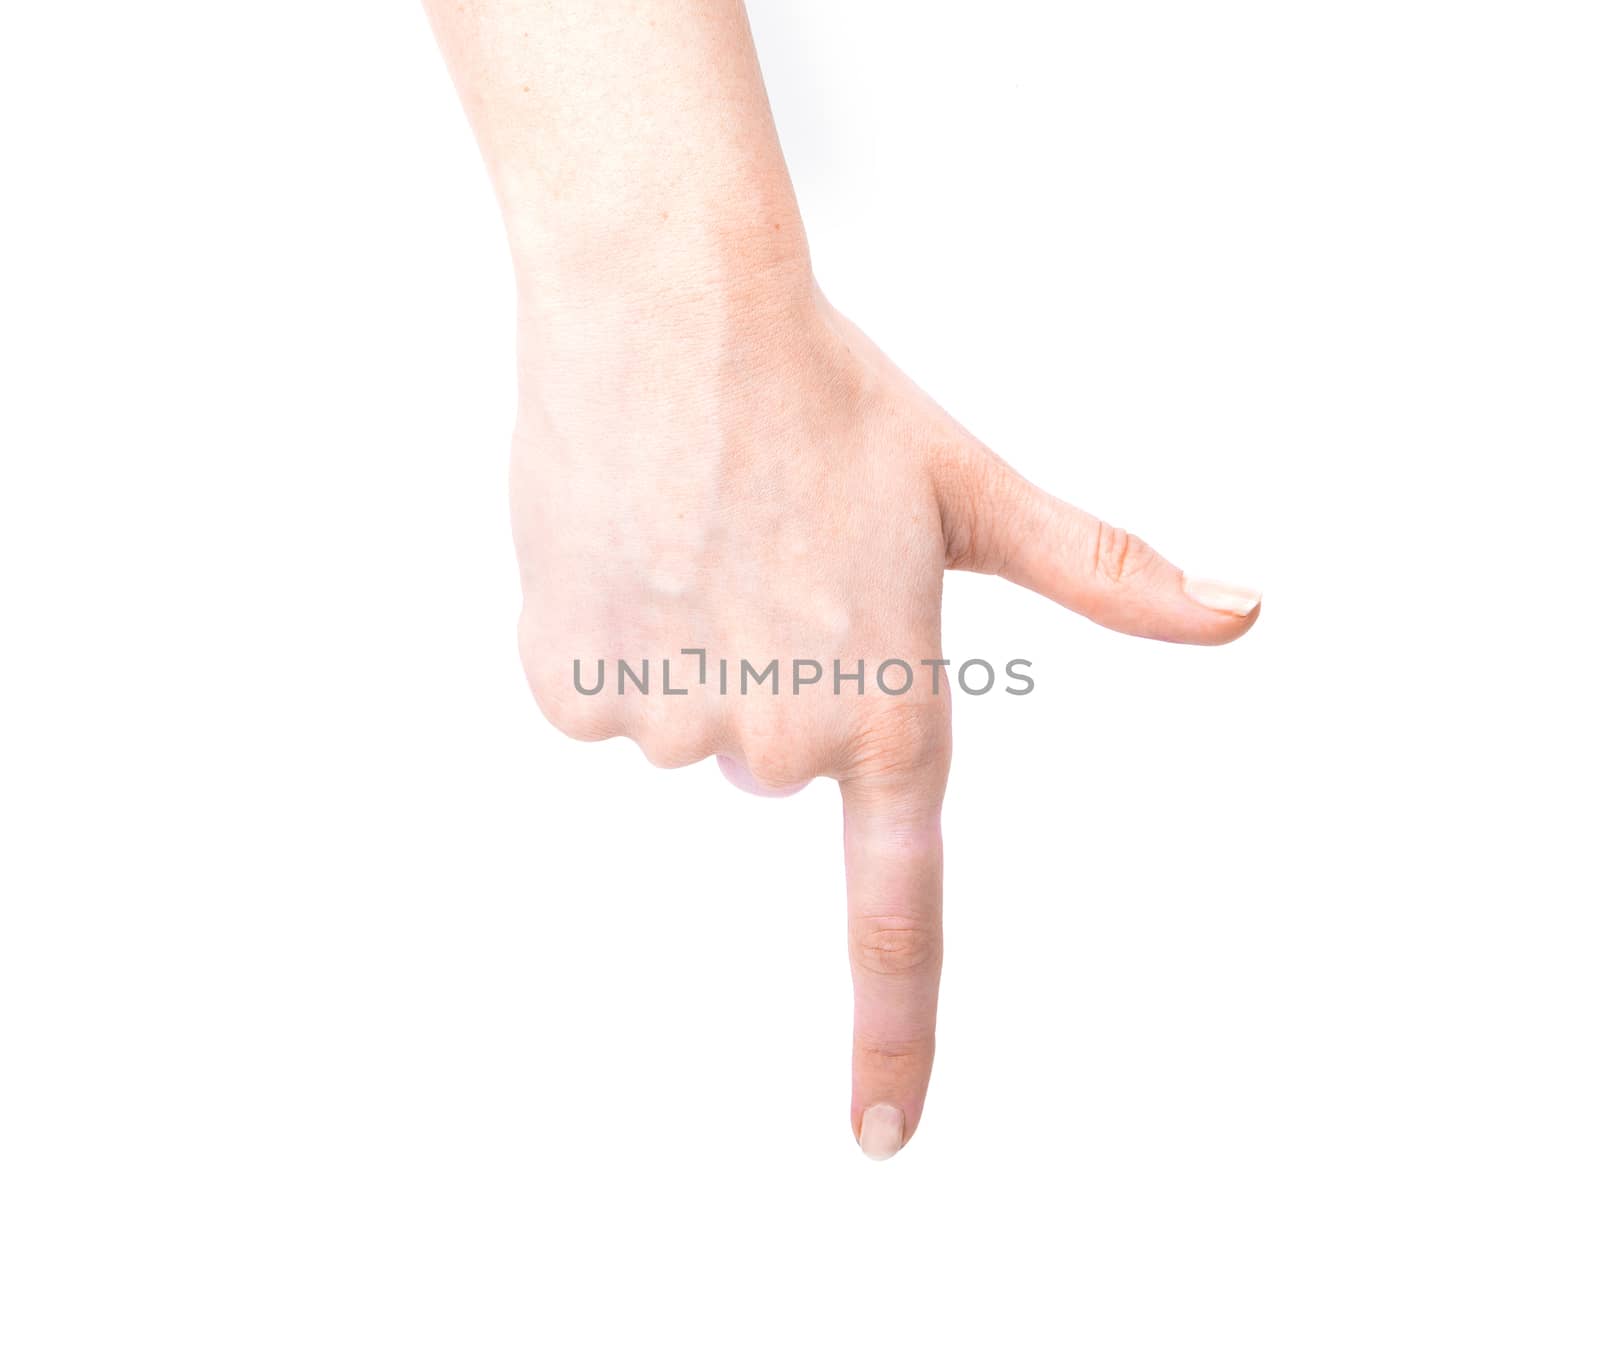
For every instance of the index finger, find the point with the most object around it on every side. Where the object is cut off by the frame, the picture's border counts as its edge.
(894, 873)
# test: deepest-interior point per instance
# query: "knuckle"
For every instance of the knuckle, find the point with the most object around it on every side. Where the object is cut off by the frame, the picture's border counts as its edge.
(774, 757)
(585, 718)
(670, 747)
(773, 767)
(1110, 552)
(978, 492)
(890, 1053)
(882, 945)
(1118, 555)
(574, 716)
(904, 738)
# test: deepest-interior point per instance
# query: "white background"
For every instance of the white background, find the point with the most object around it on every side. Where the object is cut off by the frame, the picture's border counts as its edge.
(342, 999)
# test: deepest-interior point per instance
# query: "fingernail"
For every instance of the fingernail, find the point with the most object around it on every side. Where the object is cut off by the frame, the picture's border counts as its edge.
(883, 1130)
(1229, 598)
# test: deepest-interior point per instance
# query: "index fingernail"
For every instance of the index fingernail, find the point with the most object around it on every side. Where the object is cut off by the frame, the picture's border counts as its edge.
(883, 1131)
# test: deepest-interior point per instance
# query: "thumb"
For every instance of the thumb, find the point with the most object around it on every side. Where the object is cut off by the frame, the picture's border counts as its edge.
(997, 522)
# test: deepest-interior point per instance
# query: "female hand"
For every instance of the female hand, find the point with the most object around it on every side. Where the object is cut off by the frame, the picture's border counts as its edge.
(729, 483)
(709, 458)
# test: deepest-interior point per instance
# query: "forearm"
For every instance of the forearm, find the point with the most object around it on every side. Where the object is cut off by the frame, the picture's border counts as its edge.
(630, 141)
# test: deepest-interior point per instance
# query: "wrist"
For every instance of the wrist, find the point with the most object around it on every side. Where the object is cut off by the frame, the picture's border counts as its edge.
(671, 234)
(679, 291)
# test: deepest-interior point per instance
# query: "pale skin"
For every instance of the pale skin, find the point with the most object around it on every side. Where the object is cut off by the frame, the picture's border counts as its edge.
(708, 455)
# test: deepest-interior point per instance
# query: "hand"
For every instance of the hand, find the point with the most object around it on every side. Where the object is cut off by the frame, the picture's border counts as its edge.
(731, 466)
